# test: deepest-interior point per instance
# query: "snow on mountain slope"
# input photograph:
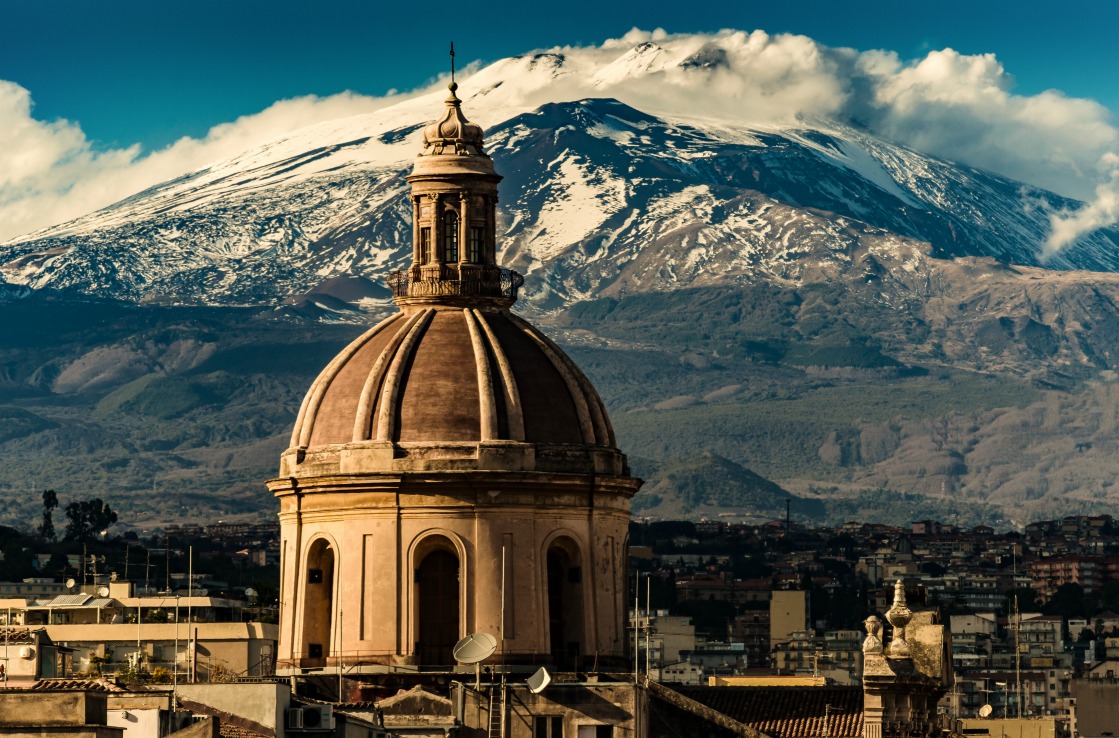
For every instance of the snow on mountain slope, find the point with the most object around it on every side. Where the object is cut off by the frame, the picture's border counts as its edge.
(599, 197)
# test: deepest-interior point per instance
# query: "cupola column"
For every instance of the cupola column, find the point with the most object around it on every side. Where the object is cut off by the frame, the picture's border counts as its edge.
(464, 227)
(491, 229)
(417, 247)
(437, 228)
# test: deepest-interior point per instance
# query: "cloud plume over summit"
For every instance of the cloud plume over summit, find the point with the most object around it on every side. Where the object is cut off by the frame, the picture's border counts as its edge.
(948, 104)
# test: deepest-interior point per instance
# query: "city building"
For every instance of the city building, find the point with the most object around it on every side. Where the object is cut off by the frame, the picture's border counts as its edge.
(788, 614)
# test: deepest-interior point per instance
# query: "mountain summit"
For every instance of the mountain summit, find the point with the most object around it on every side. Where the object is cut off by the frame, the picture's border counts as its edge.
(606, 196)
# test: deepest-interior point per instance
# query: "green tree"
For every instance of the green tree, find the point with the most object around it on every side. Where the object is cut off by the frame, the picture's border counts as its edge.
(46, 528)
(1068, 601)
(16, 560)
(87, 519)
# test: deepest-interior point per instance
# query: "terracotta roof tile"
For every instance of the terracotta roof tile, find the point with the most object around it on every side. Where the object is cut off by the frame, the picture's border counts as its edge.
(77, 685)
(14, 634)
(234, 731)
(788, 712)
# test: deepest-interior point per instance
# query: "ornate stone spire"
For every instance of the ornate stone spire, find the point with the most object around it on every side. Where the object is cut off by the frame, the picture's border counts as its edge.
(899, 616)
(873, 642)
(453, 133)
(454, 222)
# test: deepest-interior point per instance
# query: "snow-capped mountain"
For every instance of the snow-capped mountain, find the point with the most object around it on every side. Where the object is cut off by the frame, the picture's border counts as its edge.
(805, 298)
(599, 198)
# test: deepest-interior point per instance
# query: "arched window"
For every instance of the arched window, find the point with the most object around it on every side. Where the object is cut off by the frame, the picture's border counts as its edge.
(565, 604)
(425, 245)
(437, 607)
(318, 603)
(450, 237)
(474, 253)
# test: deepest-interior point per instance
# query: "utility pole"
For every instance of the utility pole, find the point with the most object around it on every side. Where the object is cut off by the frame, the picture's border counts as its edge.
(648, 621)
(636, 625)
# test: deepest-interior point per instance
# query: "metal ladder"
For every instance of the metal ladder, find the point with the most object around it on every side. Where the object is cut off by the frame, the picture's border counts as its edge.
(497, 709)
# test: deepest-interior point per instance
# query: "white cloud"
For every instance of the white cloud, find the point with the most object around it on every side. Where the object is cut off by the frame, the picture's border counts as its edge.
(1102, 210)
(947, 104)
(50, 172)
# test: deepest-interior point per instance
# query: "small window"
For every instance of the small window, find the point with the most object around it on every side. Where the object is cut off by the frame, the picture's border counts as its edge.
(450, 237)
(549, 726)
(596, 731)
(474, 256)
(425, 245)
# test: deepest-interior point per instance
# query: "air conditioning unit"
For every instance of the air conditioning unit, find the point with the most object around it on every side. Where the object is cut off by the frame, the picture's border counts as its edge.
(293, 718)
(318, 717)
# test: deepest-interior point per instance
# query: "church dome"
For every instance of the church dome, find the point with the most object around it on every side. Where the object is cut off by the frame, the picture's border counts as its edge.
(441, 382)
(448, 449)
(454, 381)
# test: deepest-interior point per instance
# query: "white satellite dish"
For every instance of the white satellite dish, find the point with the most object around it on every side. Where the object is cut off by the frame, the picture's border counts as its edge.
(250, 592)
(986, 711)
(103, 592)
(539, 680)
(474, 648)
(70, 583)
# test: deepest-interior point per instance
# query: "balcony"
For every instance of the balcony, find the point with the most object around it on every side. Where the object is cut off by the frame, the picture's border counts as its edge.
(455, 280)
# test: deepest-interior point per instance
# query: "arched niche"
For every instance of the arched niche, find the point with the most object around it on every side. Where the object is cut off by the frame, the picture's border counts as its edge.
(437, 600)
(565, 598)
(318, 601)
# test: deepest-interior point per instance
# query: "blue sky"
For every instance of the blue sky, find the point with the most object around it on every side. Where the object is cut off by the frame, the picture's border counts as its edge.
(150, 72)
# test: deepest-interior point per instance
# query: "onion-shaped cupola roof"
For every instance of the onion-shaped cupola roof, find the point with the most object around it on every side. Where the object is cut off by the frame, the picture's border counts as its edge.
(453, 133)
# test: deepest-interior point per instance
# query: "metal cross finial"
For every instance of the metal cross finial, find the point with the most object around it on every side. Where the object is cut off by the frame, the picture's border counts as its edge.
(452, 61)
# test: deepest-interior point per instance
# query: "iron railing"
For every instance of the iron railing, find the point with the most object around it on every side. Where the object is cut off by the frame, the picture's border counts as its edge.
(451, 281)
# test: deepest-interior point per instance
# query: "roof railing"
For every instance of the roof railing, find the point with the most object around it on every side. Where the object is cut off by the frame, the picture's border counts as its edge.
(454, 280)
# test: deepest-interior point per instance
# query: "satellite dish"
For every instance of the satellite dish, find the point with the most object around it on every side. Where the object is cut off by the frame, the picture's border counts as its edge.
(70, 583)
(103, 592)
(986, 711)
(250, 592)
(474, 648)
(539, 680)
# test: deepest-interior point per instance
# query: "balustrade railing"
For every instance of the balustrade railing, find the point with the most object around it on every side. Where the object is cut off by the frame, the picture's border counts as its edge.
(450, 280)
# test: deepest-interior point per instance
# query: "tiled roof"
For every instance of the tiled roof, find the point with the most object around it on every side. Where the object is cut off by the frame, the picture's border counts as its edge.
(788, 712)
(77, 685)
(234, 731)
(66, 600)
(14, 634)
